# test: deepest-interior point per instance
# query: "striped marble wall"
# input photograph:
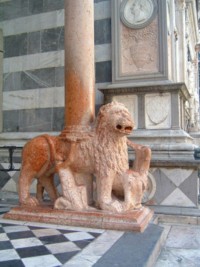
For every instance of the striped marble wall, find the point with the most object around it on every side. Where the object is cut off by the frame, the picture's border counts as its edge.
(33, 67)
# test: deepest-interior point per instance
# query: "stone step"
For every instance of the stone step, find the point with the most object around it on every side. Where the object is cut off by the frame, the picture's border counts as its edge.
(135, 249)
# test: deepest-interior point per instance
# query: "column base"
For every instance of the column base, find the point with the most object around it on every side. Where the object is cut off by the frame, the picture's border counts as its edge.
(136, 220)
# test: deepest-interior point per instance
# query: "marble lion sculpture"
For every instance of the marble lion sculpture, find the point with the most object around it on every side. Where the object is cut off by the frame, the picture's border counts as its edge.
(102, 152)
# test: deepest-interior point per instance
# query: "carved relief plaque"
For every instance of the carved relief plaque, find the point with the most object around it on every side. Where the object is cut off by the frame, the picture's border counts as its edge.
(130, 101)
(158, 111)
(139, 41)
(139, 49)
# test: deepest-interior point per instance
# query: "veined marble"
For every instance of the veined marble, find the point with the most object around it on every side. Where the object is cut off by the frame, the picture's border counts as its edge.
(34, 98)
(48, 20)
(32, 62)
(102, 10)
(102, 52)
(33, 23)
(49, 59)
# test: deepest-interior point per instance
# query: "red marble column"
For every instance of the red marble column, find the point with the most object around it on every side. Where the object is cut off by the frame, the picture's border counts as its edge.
(79, 63)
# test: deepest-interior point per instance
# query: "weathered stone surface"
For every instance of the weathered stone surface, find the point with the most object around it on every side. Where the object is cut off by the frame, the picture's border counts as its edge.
(136, 220)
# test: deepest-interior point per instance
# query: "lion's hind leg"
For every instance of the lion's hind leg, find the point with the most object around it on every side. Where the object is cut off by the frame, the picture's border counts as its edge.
(25, 179)
(39, 191)
(74, 197)
(104, 194)
(133, 190)
(47, 183)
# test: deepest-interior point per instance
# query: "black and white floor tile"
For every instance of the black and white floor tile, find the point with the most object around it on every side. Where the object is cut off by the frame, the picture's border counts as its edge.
(35, 244)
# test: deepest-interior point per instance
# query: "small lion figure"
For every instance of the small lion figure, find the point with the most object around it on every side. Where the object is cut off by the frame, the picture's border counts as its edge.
(77, 156)
(132, 184)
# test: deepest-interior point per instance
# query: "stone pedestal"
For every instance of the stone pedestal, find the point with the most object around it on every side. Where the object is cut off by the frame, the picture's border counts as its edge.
(136, 220)
(150, 41)
(158, 112)
(160, 122)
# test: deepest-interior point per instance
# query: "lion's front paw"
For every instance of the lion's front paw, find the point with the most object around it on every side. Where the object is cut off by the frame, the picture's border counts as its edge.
(30, 201)
(62, 203)
(117, 206)
(114, 206)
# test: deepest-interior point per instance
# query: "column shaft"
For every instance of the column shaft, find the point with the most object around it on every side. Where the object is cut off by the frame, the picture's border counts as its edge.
(79, 62)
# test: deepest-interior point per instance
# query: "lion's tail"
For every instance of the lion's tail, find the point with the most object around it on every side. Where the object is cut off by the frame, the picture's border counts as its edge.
(52, 151)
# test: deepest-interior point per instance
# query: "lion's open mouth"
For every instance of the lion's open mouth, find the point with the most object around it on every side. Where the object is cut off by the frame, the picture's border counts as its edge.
(126, 129)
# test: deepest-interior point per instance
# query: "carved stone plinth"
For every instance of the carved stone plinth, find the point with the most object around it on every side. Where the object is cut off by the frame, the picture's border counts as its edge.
(136, 220)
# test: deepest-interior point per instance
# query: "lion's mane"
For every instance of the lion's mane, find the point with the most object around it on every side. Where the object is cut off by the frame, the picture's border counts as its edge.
(106, 147)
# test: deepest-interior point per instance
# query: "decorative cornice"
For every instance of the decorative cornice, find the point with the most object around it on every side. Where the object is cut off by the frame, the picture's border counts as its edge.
(171, 87)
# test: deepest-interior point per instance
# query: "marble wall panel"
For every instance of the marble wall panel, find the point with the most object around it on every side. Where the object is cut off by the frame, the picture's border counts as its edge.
(34, 43)
(40, 78)
(33, 99)
(47, 77)
(102, 31)
(35, 6)
(102, 10)
(11, 121)
(15, 45)
(12, 81)
(53, 19)
(29, 43)
(32, 62)
(13, 9)
(176, 187)
(33, 23)
(5, 177)
(34, 120)
(16, 100)
(59, 76)
(50, 97)
(102, 52)
(21, 8)
(58, 119)
(103, 72)
(49, 59)
(49, 5)
(52, 39)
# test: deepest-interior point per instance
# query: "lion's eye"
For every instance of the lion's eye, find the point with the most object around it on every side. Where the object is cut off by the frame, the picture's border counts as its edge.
(119, 127)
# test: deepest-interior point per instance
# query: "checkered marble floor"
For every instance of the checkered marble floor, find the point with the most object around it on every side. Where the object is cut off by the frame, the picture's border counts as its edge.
(35, 244)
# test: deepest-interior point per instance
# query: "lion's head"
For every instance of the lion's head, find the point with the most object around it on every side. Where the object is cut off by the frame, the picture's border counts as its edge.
(113, 124)
(116, 118)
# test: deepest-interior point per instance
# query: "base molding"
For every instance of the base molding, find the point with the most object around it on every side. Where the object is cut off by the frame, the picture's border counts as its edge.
(136, 220)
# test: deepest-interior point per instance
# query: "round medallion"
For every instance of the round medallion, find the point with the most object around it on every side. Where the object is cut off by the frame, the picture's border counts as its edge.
(150, 190)
(137, 13)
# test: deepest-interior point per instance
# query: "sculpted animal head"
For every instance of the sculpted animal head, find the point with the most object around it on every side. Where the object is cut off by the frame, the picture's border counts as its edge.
(116, 118)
